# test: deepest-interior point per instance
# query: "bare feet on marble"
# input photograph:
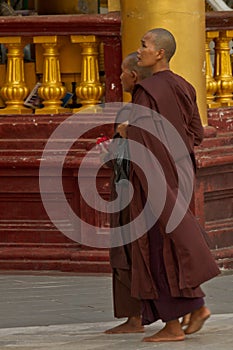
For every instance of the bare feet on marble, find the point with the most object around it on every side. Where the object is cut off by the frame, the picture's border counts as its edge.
(132, 325)
(197, 320)
(171, 332)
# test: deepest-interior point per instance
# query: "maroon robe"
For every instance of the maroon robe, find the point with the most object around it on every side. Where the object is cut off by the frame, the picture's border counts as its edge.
(187, 258)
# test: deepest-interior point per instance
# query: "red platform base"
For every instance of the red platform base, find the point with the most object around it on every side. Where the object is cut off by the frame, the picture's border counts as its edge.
(214, 187)
(28, 239)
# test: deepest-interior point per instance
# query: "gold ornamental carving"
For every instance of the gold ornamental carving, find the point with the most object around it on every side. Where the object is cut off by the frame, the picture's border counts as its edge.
(51, 89)
(223, 69)
(14, 90)
(90, 90)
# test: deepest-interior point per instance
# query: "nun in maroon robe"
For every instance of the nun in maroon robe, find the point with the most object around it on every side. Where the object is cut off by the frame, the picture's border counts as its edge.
(167, 268)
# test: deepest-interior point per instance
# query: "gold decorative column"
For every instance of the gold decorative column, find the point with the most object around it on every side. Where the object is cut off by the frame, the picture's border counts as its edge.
(223, 69)
(51, 90)
(211, 84)
(90, 89)
(14, 91)
(186, 20)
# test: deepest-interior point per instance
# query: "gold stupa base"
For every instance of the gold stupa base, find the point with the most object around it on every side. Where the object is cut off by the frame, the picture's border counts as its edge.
(16, 110)
(52, 110)
(88, 109)
(213, 104)
(226, 104)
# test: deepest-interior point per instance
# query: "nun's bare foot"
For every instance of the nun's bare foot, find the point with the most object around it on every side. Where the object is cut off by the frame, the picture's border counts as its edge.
(171, 332)
(132, 325)
(185, 320)
(197, 320)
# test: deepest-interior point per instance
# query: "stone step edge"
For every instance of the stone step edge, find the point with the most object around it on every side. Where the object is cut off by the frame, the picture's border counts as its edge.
(56, 265)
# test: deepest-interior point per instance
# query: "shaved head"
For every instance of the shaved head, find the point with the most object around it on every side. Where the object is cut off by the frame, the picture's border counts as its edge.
(131, 63)
(163, 39)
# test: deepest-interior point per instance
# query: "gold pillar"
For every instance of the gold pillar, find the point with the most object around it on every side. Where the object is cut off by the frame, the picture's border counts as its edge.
(90, 89)
(14, 90)
(51, 90)
(186, 20)
(223, 69)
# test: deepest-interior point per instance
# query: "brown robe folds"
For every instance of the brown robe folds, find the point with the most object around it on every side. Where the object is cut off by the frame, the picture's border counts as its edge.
(187, 257)
(120, 257)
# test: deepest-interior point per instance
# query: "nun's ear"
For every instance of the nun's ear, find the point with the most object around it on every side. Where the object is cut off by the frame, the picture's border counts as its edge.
(134, 75)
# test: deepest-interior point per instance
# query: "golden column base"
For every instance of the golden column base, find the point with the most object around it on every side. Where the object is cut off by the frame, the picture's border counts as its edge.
(114, 5)
(223, 69)
(14, 90)
(90, 90)
(51, 89)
